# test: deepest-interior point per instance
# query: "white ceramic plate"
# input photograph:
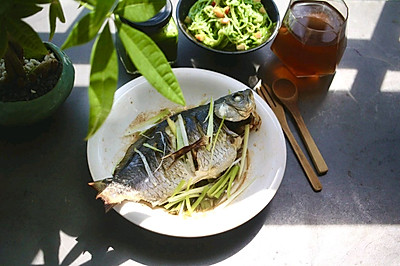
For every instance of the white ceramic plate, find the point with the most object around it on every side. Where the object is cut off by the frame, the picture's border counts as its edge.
(266, 148)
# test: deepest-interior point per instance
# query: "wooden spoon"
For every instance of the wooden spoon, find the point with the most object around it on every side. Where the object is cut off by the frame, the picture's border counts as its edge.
(287, 93)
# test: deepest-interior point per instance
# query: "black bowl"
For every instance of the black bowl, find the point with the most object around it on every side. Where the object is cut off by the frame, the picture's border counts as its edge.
(184, 6)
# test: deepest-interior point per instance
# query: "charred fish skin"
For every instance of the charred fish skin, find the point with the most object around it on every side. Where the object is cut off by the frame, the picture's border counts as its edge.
(146, 174)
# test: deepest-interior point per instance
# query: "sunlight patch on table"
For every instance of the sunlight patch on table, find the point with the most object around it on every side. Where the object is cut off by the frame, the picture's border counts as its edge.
(68, 243)
(39, 258)
(391, 82)
(322, 245)
(343, 80)
(82, 73)
(363, 18)
(130, 263)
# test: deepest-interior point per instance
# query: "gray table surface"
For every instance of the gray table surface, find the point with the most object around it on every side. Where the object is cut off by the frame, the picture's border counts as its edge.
(48, 214)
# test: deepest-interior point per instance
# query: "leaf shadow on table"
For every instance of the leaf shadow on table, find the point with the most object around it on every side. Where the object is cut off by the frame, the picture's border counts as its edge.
(37, 206)
(49, 214)
(43, 184)
(115, 240)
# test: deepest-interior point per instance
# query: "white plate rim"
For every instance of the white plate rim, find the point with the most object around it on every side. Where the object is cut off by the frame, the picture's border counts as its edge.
(209, 223)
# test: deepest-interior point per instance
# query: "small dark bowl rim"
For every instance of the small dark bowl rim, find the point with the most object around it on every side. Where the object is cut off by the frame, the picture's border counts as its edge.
(191, 38)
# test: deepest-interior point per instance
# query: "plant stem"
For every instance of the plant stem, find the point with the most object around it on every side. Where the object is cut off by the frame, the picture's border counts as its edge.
(14, 65)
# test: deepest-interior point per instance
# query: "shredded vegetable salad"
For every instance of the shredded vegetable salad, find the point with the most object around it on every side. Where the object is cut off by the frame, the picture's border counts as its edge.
(230, 25)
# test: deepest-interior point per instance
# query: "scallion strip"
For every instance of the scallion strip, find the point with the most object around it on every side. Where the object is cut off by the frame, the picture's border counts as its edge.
(216, 136)
(244, 151)
(146, 166)
(179, 188)
(234, 171)
(210, 126)
(201, 197)
(182, 195)
(147, 145)
(221, 183)
(171, 125)
(141, 127)
(217, 184)
(185, 141)
(179, 139)
(188, 205)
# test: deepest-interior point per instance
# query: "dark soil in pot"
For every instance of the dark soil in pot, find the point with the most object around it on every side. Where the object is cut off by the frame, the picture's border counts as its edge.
(38, 85)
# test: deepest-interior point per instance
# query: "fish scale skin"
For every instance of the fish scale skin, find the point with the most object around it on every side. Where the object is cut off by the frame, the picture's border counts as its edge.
(158, 190)
(131, 180)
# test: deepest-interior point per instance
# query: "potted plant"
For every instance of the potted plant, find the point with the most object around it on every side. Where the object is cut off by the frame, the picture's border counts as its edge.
(141, 49)
(35, 76)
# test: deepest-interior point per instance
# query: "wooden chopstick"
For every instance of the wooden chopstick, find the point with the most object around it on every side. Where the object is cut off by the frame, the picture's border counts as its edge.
(266, 93)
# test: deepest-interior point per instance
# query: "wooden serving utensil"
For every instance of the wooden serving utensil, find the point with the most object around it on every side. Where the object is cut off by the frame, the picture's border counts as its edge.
(287, 93)
(265, 92)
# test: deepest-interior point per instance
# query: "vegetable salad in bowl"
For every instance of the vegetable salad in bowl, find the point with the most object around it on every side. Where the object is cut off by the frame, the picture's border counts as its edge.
(229, 25)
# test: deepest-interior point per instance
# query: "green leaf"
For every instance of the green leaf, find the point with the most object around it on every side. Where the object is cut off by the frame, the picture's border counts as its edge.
(88, 27)
(5, 7)
(139, 10)
(3, 40)
(24, 10)
(84, 31)
(41, 2)
(23, 34)
(103, 80)
(101, 10)
(55, 12)
(90, 2)
(151, 62)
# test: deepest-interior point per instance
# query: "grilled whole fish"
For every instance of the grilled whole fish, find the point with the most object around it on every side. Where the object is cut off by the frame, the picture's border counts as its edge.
(152, 168)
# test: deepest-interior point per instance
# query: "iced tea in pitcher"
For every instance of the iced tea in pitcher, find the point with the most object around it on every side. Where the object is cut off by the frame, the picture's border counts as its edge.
(312, 38)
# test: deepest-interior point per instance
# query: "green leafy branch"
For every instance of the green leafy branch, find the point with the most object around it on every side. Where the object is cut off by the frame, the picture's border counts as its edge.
(18, 39)
(143, 52)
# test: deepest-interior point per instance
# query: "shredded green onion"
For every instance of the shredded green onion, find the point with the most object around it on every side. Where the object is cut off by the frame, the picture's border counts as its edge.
(188, 198)
(218, 185)
(216, 136)
(210, 126)
(178, 188)
(147, 145)
(146, 166)
(179, 138)
(185, 141)
(201, 197)
(244, 152)
(223, 182)
(142, 127)
(171, 125)
(231, 178)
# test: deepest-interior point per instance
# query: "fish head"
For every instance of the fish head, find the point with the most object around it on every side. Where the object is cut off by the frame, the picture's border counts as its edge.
(235, 107)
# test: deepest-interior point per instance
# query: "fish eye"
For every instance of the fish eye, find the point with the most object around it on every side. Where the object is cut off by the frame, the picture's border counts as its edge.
(237, 98)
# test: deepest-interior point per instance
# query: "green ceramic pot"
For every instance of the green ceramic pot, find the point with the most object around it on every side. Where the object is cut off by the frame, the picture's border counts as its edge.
(24, 113)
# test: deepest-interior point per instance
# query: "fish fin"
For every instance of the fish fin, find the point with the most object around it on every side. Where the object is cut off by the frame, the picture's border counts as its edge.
(108, 207)
(100, 185)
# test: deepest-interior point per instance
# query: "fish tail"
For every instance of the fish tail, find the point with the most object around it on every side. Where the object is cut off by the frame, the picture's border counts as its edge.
(113, 193)
(100, 186)
(108, 207)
